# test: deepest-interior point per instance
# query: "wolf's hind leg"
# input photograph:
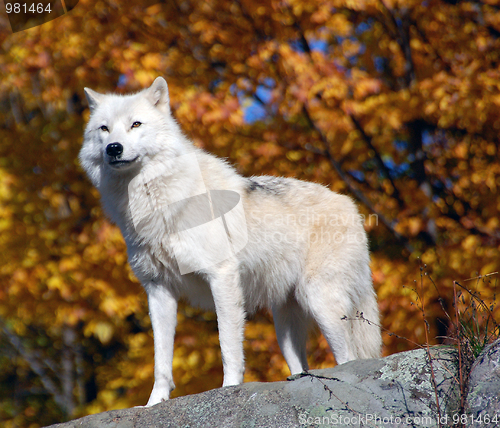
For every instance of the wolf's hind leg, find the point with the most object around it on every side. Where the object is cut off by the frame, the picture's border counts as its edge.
(332, 311)
(291, 324)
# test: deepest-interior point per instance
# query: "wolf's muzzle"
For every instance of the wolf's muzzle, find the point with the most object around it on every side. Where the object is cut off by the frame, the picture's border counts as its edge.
(114, 149)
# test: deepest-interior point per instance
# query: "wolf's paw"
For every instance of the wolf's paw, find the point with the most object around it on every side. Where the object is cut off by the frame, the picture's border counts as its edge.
(154, 402)
(158, 395)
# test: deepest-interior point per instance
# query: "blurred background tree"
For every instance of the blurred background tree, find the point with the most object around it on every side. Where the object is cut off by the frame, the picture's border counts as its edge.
(393, 102)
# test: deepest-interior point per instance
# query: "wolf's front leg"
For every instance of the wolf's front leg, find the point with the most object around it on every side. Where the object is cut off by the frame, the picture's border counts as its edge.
(228, 299)
(163, 314)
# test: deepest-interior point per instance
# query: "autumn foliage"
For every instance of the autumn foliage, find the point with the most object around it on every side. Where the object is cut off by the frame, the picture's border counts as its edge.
(396, 103)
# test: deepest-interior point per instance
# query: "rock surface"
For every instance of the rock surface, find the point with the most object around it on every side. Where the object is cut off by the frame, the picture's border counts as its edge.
(483, 398)
(396, 391)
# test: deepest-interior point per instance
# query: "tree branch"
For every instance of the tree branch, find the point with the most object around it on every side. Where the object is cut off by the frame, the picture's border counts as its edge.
(383, 167)
(36, 366)
(366, 138)
(349, 183)
(403, 39)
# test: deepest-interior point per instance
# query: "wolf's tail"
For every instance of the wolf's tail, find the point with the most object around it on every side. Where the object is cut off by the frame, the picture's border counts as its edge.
(347, 313)
(365, 327)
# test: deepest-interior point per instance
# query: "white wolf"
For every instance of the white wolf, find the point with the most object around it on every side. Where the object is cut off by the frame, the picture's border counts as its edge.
(196, 229)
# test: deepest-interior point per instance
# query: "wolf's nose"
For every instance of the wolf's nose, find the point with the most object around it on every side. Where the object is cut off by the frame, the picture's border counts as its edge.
(114, 149)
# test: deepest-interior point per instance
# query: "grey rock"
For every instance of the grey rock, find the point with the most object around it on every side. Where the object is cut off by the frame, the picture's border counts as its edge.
(483, 397)
(396, 391)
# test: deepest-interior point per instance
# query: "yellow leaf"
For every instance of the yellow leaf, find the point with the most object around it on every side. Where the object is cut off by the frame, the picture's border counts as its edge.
(104, 331)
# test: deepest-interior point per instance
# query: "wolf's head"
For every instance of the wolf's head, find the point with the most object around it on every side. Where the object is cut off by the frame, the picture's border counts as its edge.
(125, 133)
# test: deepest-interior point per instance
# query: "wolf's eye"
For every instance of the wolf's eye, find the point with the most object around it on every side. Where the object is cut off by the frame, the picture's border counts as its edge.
(104, 128)
(136, 124)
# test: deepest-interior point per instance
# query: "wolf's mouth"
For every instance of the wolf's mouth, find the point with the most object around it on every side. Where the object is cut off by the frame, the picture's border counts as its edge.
(122, 162)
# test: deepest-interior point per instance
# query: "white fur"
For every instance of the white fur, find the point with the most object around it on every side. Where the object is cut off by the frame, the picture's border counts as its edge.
(288, 245)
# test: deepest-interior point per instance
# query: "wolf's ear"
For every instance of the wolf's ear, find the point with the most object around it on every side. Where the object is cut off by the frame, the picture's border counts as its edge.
(93, 98)
(157, 93)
